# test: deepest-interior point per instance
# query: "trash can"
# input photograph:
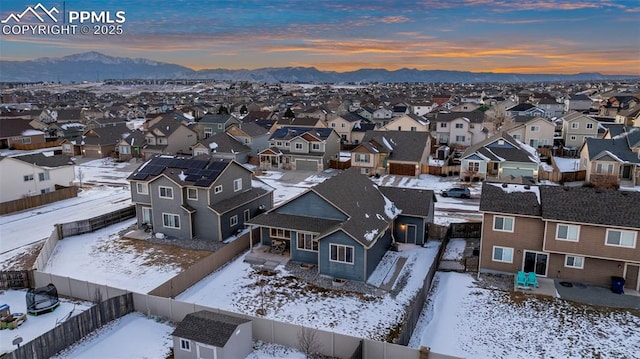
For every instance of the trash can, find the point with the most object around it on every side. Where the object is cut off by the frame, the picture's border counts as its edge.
(617, 285)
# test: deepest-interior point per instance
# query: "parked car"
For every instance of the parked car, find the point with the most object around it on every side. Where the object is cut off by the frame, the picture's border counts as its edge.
(456, 192)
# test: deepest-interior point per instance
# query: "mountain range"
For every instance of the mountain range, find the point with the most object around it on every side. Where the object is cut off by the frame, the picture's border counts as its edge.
(95, 66)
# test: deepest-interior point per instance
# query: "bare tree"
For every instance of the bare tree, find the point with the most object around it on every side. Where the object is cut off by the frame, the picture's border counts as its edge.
(499, 118)
(308, 342)
(80, 175)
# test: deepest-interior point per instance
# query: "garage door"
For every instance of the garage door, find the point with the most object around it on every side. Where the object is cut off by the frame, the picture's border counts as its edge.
(517, 172)
(303, 165)
(402, 169)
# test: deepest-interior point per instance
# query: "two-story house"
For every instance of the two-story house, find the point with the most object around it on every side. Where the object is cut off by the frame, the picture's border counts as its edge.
(222, 146)
(15, 133)
(212, 123)
(574, 234)
(463, 129)
(551, 107)
(617, 156)
(344, 124)
(536, 131)
(169, 137)
(301, 148)
(197, 198)
(392, 152)
(34, 174)
(251, 135)
(381, 116)
(407, 122)
(576, 127)
(525, 109)
(344, 225)
(578, 102)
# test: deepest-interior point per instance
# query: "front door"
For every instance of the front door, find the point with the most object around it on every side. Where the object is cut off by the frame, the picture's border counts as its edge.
(411, 233)
(626, 172)
(632, 277)
(535, 262)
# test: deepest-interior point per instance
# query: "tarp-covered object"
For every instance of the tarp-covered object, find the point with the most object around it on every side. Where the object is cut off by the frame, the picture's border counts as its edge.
(42, 300)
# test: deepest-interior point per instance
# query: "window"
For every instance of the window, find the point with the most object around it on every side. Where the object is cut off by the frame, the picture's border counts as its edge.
(280, 233)
(620, 238)
(162, 141)
(535, 128)
(170, 220)
(533, 142)
(333, 125)
(459, 125)
(66, 147)
(362, 157)
(590, 125)
(185, 345)
(307, 242)
(46, 190)
(26, 140)
(460, 138)
(443, 125)
(341, 253)
(217, 189)
(574, 261)
(503, 224)
(247, 215)
(233, 221)
(142, 188)
(575, 125)
(502, 254)
(473, 166)
(208, 132)
(573, 137)
(517, 137)
(192, 194)
(279, 143)
(567, 232)
(27, 178)
(414, 129)
(166, 192)
(147, 215)
(298, 146)
(399, 128)
(219, 126)
(43, 176)
(237, 184)
(315, 146)
(604, 168)
(343, 125)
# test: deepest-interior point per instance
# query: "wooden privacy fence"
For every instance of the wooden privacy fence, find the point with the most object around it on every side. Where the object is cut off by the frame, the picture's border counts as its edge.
(95, 223)
(15, 279)
(444, 170)
(340, 165)
(21, 204)
(74, 329)
(465, 230)
(35, 146)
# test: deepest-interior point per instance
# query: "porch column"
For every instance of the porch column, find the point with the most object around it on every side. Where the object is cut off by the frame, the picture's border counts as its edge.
(251, 239)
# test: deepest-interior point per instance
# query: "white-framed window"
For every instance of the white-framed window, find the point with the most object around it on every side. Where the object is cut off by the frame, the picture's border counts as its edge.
(567, 232)
(315, 146)
(307, 242)
(333, 125)
(535, 128)
(443, 125)
(590, 126)
(165, 192)
(192, 194)
(575, 125)
(473, 166)
(341, 253)
(247, 215)
(573, 137)
(280, 233)
(604, 168)
(299, 146)
(147, 215)
(517, 137)
(208, 132)
(220, 126)
(459, 125)
(66, 147)
(573, 261)
(460, 138)
(142, 188)
(237, 184)
(185, 345)
(620, 238)
(533, 142)
(26, 140)
(43, 176)
(125, 150)
(502, 254)
(399, 128)
(343, 125)
(414, 129)
(279, 143)
(45, 190)
(503, 224)
(162, 141)
(362, 157)
(217, 189)
(27, 178)
(170, 220)
(233, 221)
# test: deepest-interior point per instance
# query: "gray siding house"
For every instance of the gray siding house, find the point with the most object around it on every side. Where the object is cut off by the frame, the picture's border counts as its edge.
(344, 225)
(300, 148)
(198, 198)
(209, 335)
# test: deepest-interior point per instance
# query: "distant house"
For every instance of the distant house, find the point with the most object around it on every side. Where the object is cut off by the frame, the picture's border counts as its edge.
(344, 125)
(130, 146)
(614, 104)
(574, 234)
(209, 335)
(526, 109)
(100, 142)
(170, 137)
(536, 132)
(551, 107)
(251, 135)
(33, 174)
(408, 122)
(392, 152)
(576, 127)
(301, 148)
(222, 146)
(309, 122)
(616, 156)
(197, 198)
(578, 103)
(15, 133)
(501, 158)
(459, 128)
(381, 116)
(211, 124)
(344, 225)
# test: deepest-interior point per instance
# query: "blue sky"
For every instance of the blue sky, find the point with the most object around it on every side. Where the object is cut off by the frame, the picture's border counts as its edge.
(472, 35)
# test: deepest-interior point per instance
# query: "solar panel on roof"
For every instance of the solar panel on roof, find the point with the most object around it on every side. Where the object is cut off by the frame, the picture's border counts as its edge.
(204, 182)
(153, 170)
(140, 176)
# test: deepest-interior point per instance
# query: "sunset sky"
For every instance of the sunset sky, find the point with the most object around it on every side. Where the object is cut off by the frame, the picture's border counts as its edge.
(560, 37)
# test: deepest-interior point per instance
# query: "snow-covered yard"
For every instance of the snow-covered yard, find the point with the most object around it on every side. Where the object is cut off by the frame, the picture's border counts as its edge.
(286, 298)
(105, 171)
(464, 319)
(454, 250)
(33, 327)
(103, 257)
(132, 336)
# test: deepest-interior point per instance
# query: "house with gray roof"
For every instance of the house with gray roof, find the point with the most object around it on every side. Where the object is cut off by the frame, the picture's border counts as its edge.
(16, 133)
(500, 158)
(461, 129)
(209, 335)
(222, 146)
(252, 135)
(170, 137)
(197, 198)
(617, 155)
(211, 124)
(300, 148)
(574, 234)
(392, 152)
(345, 225)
